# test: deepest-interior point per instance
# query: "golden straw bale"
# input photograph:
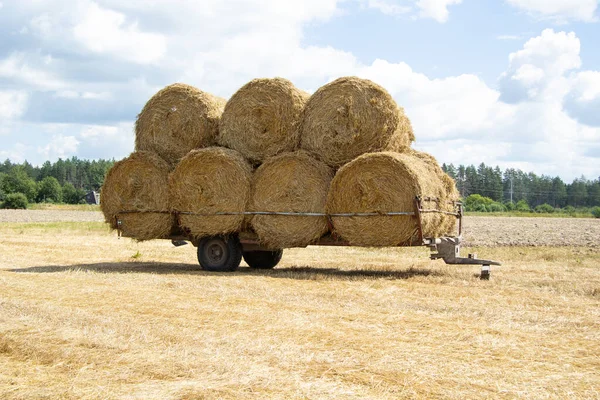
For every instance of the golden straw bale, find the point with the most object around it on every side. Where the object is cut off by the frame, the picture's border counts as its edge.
(384, 182)
(352, 116)
(402, 139)
(177, 119)
(290, 182)
(448, 224)
(210, 180)
(138, 183)
(260, 120)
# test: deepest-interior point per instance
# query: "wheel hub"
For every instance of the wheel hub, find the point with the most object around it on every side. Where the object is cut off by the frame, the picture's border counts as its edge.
(215, 252)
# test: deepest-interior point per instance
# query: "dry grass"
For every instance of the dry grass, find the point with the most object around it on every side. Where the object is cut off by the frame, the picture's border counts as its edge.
(88, 316)
(63, 207)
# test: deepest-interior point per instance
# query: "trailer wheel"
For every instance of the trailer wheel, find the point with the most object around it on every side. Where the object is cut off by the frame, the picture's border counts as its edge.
(220, 253)
(263, 259)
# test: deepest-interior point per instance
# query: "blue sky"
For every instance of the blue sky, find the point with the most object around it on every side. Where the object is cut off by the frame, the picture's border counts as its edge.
(514, 83)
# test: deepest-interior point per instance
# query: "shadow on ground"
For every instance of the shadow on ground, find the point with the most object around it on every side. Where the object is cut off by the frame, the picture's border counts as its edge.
(307, 273)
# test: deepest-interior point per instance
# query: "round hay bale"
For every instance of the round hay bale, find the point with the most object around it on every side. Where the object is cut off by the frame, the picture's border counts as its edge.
(260, 120)
(402, 139)
(206, 181)
(352, 116)
(384, 182)
(138, 183)
(448, 223)
(290, 182)
(177, 119)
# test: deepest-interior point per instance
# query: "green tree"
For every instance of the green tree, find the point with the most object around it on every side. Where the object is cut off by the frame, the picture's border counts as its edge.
(2, 194)
(522, 206)
(17, 181)
(577, 192)
(45, 170)
(477, 202)
(559, 192)
(71, 195)
(49, 190)
(15, 201)
(544, 208)
(594, 194)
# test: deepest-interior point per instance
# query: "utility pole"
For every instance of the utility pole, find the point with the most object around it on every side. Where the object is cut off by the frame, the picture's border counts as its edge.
(511, 189)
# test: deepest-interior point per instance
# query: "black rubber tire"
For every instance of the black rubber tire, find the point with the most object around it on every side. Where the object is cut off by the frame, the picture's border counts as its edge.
(263, 259)
(220, 253)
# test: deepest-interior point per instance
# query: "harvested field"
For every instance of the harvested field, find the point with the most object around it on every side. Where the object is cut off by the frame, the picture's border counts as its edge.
(91, 316)
(479, 231)
(522, 231)
(50, 216)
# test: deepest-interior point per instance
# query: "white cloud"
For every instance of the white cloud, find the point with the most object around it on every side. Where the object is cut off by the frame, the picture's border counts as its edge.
(105, 31)
(462, 105)
(104, 141)
(555, 52)
(59, 147)
(18, 67)
(86, 95)
(559, 10)
(539, 68)
(17, 154)
(586, 86)
(389, 8)
(12, 104)
(583, 101)
(436, 9)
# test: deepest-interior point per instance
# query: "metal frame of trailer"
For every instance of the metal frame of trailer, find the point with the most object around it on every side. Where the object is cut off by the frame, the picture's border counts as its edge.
(224, 253)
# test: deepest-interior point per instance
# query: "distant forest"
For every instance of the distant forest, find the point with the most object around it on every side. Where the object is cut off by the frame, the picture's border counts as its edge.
(516, 185)
(68, 180)
(64, 181)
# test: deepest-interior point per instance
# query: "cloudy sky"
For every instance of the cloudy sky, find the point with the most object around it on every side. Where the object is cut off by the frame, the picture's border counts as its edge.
(514, 83)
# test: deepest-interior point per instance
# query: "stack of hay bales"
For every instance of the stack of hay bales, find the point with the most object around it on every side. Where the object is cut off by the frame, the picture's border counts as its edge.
(274, 148)
(355, 125)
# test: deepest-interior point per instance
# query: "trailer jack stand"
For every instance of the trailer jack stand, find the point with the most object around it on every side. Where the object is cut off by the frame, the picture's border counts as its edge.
(448, 249)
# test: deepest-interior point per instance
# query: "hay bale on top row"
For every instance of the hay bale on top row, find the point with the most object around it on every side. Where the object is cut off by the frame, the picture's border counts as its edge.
(210, 180)
(290, 182)
(352, 116)
(138, 183)
(385, 182)
(260, 120)
(177, 119)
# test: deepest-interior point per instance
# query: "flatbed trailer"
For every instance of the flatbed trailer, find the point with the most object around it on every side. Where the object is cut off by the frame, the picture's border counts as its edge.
(223, 253)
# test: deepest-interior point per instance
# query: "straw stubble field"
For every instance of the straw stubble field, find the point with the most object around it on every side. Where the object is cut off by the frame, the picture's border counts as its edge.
(85, 315)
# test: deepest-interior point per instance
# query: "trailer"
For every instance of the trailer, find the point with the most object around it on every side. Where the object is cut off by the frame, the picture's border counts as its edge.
(224, 253)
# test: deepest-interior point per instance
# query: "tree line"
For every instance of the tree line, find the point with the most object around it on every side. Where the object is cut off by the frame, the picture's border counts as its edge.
(64, 181)
(510, 186)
